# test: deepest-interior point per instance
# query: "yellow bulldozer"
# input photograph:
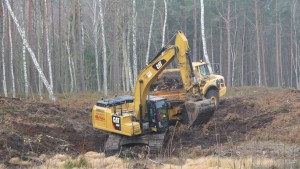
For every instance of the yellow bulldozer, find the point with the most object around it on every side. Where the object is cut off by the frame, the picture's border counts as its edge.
(144, 118)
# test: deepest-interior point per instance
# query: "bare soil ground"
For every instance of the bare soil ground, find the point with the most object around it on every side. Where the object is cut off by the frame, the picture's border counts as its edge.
(250, 121)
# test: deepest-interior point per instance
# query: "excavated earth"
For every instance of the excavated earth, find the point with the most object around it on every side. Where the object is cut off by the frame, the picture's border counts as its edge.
(250, 121)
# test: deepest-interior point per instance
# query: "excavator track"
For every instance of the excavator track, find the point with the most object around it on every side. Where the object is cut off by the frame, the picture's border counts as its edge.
(155, 141)
(112, 145)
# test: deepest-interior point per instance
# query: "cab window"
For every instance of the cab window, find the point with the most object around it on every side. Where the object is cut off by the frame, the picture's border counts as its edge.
(204, 70)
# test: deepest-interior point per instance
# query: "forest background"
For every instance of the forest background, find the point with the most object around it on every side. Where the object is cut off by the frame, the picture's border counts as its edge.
(100, 45)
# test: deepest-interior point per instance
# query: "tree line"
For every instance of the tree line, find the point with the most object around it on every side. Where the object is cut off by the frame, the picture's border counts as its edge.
(64, 46)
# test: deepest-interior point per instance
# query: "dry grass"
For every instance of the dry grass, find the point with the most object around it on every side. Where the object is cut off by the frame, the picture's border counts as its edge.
(88, 160)
(214, 162)
(98, 160)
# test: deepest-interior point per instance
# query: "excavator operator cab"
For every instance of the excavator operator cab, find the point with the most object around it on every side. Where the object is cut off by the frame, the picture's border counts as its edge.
(157, 112)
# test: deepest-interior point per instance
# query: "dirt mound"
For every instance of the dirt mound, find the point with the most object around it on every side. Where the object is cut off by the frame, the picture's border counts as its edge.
(257, 116)
(29, 129)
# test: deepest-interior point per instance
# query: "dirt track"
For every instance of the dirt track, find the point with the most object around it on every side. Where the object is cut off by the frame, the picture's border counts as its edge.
(250, 121)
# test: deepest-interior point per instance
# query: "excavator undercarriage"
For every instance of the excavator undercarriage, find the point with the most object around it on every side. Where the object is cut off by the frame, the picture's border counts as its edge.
(155, 142)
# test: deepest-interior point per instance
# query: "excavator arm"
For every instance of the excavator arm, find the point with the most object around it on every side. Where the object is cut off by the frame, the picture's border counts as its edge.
(178, 50)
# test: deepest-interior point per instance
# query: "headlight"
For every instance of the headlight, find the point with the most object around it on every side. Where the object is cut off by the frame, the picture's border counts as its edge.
(218, 82)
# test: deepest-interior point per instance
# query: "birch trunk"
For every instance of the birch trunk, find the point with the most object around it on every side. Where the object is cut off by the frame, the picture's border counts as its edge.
(47, 43)
(24, 57)
(234, 51)
(104, 50)
(69, 58)
(150, 33)
(11, 58)
(134, 57)
(37, 66)
(3, 60)
(203, 37)
(297, 60)
(165, 23)
(39, 49)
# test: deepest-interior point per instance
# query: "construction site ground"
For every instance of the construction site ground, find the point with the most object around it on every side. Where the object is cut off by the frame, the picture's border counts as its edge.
(251, 124)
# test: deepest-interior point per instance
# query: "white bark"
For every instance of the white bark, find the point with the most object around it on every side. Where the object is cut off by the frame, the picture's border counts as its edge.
(95, 35)
(203, 37)
(104, 50)
(134, 57)
(69, 58)
(165, 23)
(24, 61)
(11, 59)
(3, 61)
(39, 32)
(150, 33)
(47, 42)
(37, 66)
(296, 64)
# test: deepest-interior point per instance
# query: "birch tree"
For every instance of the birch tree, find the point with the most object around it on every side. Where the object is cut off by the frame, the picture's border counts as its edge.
(296, 60)
(11, 58)
(24, 56)
(69, 57)
(47, 43)
(134, 57)
(104, 50)
(150, 33)
(165, 23)
(203, 37)
(37, 66)
(3, 54)
(39, 31)
(74, 5)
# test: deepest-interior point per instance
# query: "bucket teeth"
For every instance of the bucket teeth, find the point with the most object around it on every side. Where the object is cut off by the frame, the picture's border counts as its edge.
(198, 112)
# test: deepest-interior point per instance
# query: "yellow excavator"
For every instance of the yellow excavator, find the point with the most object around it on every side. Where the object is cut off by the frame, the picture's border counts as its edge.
(143, 118)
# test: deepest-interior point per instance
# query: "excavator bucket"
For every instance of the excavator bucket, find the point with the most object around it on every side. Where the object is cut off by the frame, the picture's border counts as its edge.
(198, 112)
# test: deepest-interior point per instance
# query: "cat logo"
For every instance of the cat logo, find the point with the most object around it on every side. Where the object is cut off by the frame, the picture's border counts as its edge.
(116, 121)
(159, 64)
